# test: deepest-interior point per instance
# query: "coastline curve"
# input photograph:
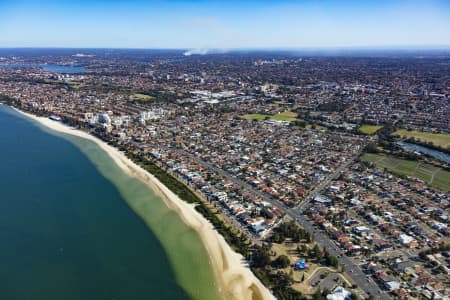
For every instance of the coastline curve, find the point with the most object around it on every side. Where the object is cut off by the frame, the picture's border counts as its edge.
(236, 281)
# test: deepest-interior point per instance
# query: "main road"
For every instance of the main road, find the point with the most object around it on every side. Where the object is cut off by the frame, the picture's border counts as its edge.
(297, 213)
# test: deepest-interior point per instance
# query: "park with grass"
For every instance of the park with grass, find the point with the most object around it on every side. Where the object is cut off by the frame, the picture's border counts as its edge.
(291, 262)
(441, 140)
(434, 176)
(258, 117)
(140, 97)
(369, 129)
(287, 115)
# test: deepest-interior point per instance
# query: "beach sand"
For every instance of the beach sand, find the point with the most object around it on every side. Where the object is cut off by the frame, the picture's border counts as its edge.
(236, 280)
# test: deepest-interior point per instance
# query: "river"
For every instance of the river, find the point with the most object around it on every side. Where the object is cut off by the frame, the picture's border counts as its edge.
(424, 150)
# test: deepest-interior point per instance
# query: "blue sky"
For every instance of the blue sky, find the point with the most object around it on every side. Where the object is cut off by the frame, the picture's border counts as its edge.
(224, 24)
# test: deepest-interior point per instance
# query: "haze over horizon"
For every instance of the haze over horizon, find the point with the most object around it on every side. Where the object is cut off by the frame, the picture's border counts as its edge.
(198, 24)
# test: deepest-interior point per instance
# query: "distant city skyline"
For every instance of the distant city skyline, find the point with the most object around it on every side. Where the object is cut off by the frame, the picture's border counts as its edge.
(198, 24)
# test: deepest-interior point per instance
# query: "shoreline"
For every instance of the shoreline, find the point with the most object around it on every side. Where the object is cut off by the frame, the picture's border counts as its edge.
(235, 280)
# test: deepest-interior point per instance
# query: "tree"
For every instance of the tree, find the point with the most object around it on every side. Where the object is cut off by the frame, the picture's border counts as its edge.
(304, 248)
(318, 295)
(288, 293)
(277, 238)
(282, 279)
(282, 261)
(333, 261)
(354, 296)
(326, 255)
(300, 123)
(308, 237)
(317, 252)
(261, 256)
(372, 148)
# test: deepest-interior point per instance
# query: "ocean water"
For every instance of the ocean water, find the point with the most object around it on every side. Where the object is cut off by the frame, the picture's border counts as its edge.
(74, 226)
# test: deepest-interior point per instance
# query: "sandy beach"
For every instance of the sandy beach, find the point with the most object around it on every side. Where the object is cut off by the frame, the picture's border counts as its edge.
(236, 281)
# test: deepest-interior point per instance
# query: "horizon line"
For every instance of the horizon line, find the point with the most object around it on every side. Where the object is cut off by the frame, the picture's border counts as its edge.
(224, 49)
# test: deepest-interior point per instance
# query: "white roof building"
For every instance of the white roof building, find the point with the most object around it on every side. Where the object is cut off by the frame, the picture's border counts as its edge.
(405, 239)
(392, 285)
(339, 293)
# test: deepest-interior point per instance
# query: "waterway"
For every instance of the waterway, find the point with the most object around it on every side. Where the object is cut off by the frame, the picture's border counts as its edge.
(63, 69)
(70, 225)
(424, 150)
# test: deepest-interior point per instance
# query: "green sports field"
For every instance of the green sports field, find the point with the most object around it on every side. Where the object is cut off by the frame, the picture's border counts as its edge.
(369, 129)
(438, 139)
(141, 97)
(283, 116)
(436, 177)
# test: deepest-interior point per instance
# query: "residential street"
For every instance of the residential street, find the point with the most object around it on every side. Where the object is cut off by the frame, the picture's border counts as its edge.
(353, 271)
